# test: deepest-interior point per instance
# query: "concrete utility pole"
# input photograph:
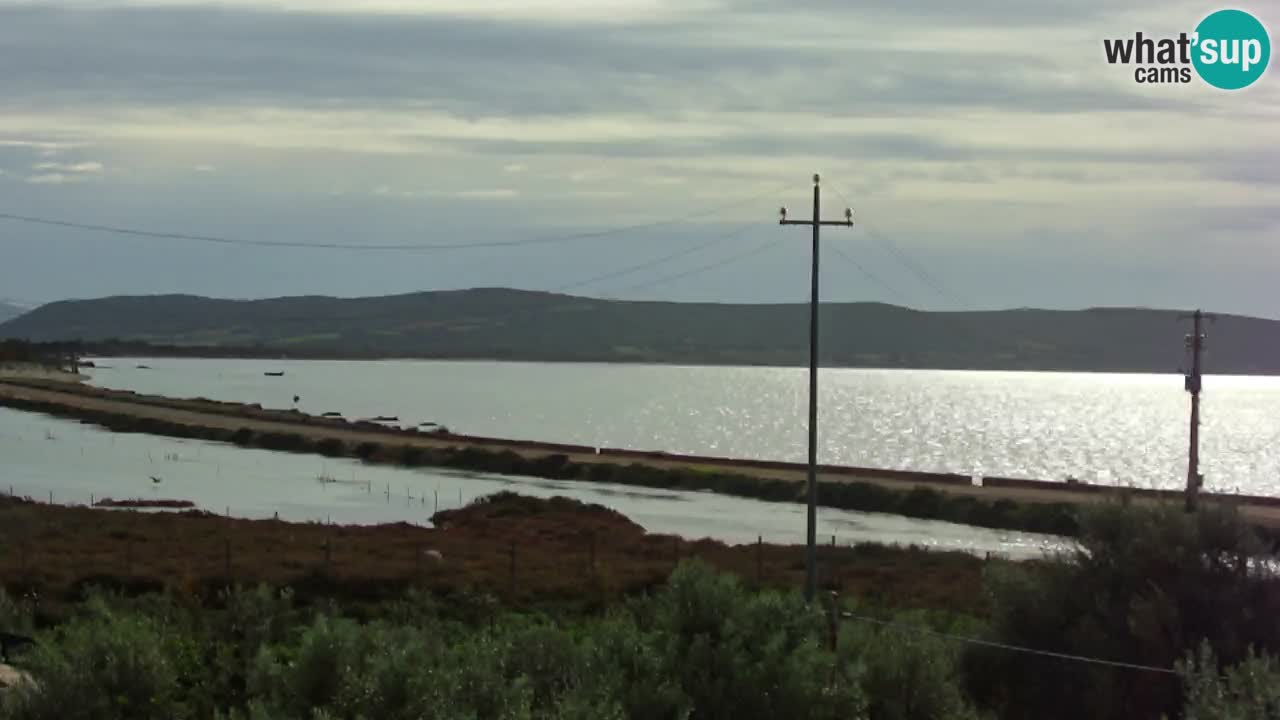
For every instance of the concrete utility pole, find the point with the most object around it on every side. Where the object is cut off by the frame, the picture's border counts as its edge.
(811, 535)
(1192, 384)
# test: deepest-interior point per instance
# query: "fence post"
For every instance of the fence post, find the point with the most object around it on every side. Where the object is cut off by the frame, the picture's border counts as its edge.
(833, 620)
(437, 501)
(759, 559)
(513, 570)
(50, 497)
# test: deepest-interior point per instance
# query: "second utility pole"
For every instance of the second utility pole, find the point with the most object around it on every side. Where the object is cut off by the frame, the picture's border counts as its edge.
(1193, 384)
(811, 528)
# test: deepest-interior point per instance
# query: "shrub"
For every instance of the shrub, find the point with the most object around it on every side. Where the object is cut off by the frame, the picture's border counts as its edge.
(109, 665)
(16, 614)
(742, 655)
(1247, 691)
(332, 447)
(1145, 586)
(906, 675)
(410, 455)
(288, 442)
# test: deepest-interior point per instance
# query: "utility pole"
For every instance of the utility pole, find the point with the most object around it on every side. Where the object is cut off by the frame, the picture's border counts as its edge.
(1192, 384)
(811, 531)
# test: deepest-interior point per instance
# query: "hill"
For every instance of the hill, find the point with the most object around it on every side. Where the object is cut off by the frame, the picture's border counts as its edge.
(8, 312)
(522, 325)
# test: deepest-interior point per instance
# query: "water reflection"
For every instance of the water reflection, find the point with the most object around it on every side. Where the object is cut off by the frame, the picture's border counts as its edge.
(79, 463)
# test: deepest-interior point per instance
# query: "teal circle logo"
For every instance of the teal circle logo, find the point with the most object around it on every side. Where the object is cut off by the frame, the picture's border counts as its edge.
(1232, 49)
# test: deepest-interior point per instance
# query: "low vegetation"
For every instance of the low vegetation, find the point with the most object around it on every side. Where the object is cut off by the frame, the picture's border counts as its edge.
(563, 553)
(1187, 603)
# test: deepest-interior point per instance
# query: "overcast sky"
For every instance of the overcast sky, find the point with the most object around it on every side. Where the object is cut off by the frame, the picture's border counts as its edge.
(994, 156)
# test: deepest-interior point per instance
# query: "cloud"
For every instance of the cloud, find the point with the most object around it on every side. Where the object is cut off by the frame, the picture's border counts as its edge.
(486, 194)
(507, 66)
(32, 144)
(983, 126)
(51, 179)
(81, 168)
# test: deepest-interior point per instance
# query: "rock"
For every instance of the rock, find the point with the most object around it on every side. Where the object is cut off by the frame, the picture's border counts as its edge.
(435, 556)
(12, 677)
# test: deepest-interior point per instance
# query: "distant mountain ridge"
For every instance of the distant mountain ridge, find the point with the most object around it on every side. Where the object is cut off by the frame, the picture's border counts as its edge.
(495, 323)
(8, 312)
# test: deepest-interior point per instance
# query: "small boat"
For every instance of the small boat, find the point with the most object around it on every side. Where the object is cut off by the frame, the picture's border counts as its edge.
(331, 414)
(144, 367)
(386, 418)
(279, 373)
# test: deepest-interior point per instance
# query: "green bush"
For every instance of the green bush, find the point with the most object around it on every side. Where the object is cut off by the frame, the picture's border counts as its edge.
(1249, 690)
(331, 447)
(743, 655)
(107, 665)
(1146, 585)
(632, 663)
(17, 615)
(906, 675)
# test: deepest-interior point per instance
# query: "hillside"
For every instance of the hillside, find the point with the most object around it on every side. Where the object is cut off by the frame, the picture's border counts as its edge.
(8, 312)
(511, 324)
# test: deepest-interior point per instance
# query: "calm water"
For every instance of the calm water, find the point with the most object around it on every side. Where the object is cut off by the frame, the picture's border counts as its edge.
(1115, 429)
(79, 463)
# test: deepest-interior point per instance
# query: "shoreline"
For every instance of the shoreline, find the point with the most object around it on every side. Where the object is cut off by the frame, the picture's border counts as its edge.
(829, 364)
(268, 357)
(910, 493)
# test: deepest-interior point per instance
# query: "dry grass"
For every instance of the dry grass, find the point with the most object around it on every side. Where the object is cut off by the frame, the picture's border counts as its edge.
(58, 551)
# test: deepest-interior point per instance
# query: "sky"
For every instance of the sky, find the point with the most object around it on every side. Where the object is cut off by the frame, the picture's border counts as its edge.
(992, 157)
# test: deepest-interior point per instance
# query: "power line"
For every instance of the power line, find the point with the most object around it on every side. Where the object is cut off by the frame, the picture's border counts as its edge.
(972, 329)
(868, 274)
(400, 247)
(1003, 646)
(754, 250)
(924, 276)
(736, 232)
